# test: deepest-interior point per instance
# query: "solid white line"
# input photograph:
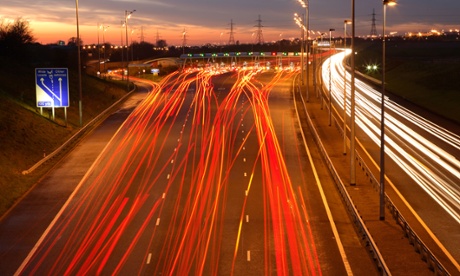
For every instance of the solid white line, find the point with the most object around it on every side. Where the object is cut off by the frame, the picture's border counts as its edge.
(324, 199)
(414, 213)
(58, 215)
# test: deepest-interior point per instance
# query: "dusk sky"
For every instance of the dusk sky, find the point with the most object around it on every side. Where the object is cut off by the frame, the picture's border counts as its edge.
(208, 21)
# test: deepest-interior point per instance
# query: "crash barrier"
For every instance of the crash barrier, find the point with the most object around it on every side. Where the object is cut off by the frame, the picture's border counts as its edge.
(365, 235)
(76, 136)
(426, 255)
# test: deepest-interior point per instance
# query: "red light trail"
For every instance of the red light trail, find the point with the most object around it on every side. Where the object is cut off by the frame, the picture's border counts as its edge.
(173, 165)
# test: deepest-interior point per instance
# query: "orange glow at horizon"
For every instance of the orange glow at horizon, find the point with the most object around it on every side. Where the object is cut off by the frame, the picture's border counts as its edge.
(52, 32)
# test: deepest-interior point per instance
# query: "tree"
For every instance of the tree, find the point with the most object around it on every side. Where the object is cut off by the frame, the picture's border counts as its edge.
(161, 43)
(14, 35)
(73, 41)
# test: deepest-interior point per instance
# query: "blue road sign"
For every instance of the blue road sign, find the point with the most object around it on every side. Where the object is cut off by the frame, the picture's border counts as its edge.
(52, 87)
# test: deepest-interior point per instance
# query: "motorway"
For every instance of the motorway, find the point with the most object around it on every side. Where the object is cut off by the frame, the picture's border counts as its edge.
(208, 175)
(422, 164)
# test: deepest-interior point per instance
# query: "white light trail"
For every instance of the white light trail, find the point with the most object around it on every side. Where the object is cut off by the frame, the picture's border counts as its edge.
(421, 148)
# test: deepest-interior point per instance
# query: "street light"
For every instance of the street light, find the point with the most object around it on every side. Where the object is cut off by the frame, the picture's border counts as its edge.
(382, 114)
(80, 105)
(321, 35)
(345, 22)
(103, 41)
(127, 16)
(123, 22)
(98, 50)
(132, 45)
(305, 5)
(330, 81)
(352, 98)
(298, 21)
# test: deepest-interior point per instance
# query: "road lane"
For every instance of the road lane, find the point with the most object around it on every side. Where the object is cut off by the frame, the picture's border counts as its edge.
(22, 226)
(422, 160)
(198, 182)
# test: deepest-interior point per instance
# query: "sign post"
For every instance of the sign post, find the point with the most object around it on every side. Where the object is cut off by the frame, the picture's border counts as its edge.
(52, 88)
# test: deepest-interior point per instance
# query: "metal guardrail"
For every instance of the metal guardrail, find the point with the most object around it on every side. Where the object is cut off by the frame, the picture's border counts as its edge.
(426, 255)
(366, 236)
(75, 136)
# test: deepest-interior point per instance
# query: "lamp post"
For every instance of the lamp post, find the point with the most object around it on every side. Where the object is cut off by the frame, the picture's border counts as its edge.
(330, 81)
(352, 97)
(98, 50)
(184, 41)
(132, 45)
(80, 105)
(321, 79)
(307, 19)
(127, 16)
(345, 22)
(382, 114)
(103, 42)
(298, 21)
(121, 48)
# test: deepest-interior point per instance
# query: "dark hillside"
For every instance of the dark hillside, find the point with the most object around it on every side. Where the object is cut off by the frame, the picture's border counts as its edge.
(425, 73)
(26, 136)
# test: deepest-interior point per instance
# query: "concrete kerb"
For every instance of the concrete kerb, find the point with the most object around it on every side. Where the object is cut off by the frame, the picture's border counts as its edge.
(77, 134)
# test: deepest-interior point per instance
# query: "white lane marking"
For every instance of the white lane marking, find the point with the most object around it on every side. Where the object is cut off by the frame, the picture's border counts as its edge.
(149, 257)
(323, 197)
(158, 222)
(59, 214)
(248, 256)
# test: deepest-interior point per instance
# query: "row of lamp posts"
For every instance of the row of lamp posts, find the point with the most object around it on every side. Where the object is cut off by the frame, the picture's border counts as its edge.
(305, 27)
(127, 16)
(352, 94)
(124, 23)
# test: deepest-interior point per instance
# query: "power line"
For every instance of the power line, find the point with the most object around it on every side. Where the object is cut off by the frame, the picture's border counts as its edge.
(259, 34)
(157, 37)
(373, 28)
(231, 40)
(141, 37)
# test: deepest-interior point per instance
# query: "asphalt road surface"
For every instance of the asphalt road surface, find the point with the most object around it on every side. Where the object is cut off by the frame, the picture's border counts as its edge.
(208, 175)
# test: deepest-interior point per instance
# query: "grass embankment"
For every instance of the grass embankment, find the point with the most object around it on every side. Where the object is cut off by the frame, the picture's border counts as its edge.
(26, 135)
(424, 73)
